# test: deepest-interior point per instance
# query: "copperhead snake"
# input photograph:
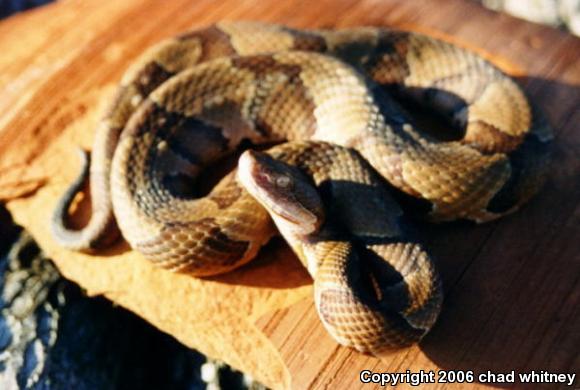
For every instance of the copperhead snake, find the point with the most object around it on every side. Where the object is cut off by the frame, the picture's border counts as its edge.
(190, 100)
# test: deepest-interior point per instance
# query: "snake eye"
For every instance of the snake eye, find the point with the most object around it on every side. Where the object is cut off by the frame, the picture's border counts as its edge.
(283, 181)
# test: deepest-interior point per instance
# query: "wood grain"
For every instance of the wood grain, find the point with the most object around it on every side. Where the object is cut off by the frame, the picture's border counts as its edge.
(512, 287)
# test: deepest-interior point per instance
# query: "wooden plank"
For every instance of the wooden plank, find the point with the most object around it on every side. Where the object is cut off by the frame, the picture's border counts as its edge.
(512, 287)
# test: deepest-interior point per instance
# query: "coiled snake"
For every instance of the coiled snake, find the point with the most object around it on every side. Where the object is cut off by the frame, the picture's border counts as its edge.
(190, 100)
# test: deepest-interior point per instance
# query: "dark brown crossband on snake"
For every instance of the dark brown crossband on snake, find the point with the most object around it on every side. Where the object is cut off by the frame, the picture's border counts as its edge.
(333, 101)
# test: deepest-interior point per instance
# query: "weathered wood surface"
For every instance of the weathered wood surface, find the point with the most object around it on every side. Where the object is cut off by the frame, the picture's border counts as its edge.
(512, 287)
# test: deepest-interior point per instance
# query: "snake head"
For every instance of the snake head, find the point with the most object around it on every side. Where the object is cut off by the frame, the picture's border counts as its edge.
(283, 190)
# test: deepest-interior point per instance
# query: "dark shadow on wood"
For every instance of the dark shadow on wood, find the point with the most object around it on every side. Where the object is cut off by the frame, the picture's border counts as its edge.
(275, 267)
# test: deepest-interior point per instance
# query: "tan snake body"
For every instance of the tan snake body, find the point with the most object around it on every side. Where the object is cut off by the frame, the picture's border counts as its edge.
(374, 288)
(191, 100)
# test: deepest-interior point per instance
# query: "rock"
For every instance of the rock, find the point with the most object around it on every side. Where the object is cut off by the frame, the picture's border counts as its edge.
(555, 13)
(570, 13)
(53, 336)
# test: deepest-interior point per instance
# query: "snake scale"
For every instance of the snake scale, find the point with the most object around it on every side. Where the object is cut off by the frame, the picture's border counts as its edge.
(334, 96)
